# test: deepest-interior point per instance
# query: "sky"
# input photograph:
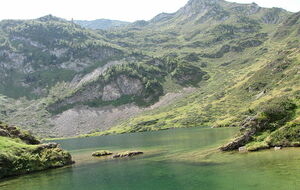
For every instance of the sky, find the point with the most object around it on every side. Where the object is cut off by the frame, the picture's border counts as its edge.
(126, 10)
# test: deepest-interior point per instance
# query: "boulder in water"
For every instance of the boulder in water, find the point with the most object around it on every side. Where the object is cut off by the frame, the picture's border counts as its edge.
(102, 153)
(127, 154)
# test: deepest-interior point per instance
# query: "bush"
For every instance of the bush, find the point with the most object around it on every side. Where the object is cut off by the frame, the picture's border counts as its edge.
(286, 136)
(297, 94)
(187, 75)
(278, 109)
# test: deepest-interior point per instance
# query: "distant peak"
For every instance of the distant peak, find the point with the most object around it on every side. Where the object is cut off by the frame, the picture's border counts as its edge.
(202, 3)
(49, 18)
(199, 6)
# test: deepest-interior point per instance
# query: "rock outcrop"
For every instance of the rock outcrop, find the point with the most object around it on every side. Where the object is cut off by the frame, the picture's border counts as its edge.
(14, 132)
(249, 128)
(21, 153)
(121, 86)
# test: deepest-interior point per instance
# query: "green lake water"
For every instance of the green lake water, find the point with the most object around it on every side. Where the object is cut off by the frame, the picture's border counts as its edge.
(182, 159)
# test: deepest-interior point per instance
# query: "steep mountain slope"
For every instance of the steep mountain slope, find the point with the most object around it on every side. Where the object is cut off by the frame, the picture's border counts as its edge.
(275, 122)
(103, 24)
(234, 56)
(36, 54)
(262, 97)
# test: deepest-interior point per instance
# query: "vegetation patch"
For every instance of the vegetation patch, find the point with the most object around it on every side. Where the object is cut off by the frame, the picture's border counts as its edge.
(21, 154)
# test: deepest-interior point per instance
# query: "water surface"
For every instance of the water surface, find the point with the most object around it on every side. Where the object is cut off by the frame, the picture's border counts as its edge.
(183, 159)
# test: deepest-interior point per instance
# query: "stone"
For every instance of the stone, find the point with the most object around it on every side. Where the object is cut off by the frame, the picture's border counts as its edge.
(48, 146)
(4, 133)
(102, 153)
(127, 154)
(129, 86)
(277, 148)
(242, 149)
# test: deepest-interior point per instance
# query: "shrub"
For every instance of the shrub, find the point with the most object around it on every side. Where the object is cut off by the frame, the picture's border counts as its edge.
(286, 136)
(278, 109)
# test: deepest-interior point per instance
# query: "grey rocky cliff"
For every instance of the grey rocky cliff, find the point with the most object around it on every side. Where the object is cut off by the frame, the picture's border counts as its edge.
(122, 85)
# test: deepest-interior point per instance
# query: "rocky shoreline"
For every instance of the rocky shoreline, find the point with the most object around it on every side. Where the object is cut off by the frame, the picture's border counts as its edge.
(277, 125)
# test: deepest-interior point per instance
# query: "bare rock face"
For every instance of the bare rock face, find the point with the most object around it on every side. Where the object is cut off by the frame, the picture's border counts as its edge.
(124, 85)
(111, 92)
(129, 86)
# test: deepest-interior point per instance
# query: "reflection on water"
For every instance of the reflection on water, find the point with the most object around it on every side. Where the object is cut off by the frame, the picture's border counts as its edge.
(175, 159)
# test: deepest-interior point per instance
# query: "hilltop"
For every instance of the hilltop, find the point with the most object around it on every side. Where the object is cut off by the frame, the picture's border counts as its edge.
(103, 24)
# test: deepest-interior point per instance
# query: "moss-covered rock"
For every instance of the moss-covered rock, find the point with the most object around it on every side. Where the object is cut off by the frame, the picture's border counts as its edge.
(20, 153)
(14, 132)
(102, 153)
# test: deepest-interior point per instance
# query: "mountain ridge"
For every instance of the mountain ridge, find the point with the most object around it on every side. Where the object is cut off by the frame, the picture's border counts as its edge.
(103, 24)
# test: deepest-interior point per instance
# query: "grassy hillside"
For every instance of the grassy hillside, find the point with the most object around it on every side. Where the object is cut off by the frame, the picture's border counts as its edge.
(238, 88)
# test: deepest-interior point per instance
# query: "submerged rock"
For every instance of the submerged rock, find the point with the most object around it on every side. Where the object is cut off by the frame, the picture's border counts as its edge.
(102, 153)
(127, 154)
